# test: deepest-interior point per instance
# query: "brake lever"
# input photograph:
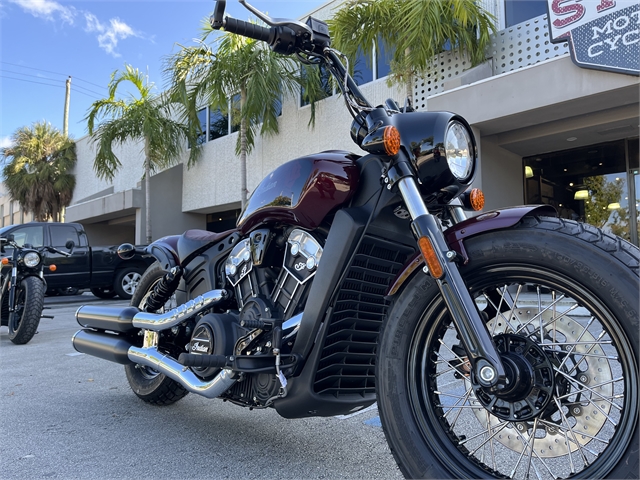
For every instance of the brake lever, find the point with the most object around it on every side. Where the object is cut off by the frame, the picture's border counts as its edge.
(275, 22)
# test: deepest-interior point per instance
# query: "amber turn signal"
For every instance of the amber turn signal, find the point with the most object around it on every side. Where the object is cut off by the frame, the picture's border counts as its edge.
(476, 199)
(391, 140)
(431, 257)
(53, 268)
(5, 261)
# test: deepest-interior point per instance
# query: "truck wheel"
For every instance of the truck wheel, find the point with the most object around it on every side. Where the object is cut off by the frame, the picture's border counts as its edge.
(103, 292)
(126, 281)
(29, 303)
(148, 384)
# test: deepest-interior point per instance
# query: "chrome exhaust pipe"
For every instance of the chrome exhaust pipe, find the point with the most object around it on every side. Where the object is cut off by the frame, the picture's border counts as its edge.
(163, 321)
(152, 358)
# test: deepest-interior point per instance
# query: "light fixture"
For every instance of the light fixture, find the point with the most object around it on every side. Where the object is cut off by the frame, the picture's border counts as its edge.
(581, 195)
(613, 206)
(528, 172)
(572, 139)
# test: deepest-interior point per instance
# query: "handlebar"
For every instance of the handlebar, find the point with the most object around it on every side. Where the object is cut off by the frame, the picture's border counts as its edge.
(250, 30)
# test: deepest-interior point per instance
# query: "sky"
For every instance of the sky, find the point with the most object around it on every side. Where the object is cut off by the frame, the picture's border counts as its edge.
(42, 42)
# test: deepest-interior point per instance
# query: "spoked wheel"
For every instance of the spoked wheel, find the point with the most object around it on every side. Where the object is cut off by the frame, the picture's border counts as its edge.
(570, 350)
(148, 384)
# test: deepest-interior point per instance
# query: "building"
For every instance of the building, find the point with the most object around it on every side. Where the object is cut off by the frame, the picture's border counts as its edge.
(10, 211)
(548, 131)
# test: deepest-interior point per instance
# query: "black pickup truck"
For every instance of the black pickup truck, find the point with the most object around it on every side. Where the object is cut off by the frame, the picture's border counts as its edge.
(97, 268)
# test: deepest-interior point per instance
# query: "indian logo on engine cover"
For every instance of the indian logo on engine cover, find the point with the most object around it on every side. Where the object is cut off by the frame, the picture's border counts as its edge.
(201, 341)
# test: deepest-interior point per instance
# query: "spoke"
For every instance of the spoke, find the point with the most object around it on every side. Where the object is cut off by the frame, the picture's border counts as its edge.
(575, 344)
(538, 315)
(473, 407)
(573, 434)
(595, 342)
(491, 447)
(499, 312)
(555, 319)
(602, 334)
(537, 456)
(606, 357)
(457, 404)
(491, 427)
(490, 437)
(455, 420)
(539, 309)
(582, 434)
(586, 387)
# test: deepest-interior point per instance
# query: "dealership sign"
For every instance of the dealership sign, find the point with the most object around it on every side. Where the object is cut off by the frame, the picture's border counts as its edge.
(602, 34)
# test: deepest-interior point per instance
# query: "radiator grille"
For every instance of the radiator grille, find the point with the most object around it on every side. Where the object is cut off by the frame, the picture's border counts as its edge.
(347, 361)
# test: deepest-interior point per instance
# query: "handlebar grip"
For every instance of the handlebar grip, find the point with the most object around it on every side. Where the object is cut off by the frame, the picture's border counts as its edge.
(246, 29)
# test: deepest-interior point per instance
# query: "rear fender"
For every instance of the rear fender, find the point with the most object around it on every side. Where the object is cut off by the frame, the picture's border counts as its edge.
(165, 250)
(455, 235)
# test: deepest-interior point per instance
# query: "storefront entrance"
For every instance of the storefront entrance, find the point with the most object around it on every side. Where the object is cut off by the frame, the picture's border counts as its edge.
(598, 184)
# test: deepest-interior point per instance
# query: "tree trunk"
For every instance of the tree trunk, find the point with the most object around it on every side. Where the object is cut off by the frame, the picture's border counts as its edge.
(147, 190)
(410, 81)
(243, 149)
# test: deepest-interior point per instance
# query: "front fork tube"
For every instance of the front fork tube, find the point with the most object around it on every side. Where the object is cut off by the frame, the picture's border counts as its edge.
(486, 364)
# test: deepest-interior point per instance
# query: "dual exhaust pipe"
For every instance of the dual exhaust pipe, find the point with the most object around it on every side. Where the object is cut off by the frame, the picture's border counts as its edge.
(123, 322)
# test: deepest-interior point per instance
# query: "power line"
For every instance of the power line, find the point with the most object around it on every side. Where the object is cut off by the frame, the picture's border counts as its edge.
(54, 73)
(53, 80)
(49, 85)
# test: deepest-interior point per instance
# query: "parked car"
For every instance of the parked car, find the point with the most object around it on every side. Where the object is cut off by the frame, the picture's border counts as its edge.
(97, 268)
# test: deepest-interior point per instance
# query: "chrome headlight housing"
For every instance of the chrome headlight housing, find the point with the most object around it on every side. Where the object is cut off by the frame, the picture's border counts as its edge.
(459, 151)
(31, 259)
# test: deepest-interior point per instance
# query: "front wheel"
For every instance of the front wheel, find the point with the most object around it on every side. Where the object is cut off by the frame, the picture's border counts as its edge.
(560, 300)
(148, 384)
(29, 301)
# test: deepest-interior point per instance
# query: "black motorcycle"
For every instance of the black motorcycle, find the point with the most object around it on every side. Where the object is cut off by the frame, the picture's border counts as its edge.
(500, 345)
(22, 287)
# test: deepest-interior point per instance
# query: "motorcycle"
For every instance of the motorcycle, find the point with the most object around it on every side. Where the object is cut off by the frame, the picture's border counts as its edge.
(22, 288)
(500, 345)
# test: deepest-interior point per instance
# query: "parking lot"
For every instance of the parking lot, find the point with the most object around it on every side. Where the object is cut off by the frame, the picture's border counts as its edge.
(68, 415)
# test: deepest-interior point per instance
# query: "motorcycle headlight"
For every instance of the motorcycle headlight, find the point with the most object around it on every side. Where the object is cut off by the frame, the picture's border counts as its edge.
(459, 151)
(31, 259)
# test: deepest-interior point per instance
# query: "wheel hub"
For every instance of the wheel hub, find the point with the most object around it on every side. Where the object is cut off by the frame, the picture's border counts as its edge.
(530, 380)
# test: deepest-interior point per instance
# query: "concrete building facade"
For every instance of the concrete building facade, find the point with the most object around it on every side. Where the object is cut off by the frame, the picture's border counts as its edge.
(546, 129)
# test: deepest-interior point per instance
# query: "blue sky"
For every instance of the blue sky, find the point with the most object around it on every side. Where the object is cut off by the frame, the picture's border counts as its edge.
(42, 42)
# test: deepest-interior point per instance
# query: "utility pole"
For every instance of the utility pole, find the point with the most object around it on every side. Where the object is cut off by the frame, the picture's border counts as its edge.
(65, 122)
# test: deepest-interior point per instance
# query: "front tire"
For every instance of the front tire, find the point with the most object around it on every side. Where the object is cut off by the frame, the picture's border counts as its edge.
(148, 384)
(579, 316)
(29, 303)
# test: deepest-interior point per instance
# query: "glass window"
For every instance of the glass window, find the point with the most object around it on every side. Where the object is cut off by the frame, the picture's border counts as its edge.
(218, 124)
(518, 11)
(589, 184)
(325, 81)
(383, 59)
(235, 113)
(202, 118)
(362, 71)
(61, 234)
(28, 235)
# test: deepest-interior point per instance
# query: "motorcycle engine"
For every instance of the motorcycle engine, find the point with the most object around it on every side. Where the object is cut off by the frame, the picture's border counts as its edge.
(271, 275)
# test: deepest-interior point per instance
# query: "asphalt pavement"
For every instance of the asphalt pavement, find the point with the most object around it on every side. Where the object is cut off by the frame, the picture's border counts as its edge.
(67, 415)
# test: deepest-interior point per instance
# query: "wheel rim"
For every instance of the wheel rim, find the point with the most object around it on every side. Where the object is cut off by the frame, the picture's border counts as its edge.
(585, 426)
(130, 282)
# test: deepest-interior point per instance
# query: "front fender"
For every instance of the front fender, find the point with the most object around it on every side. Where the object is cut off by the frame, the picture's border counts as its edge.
(455, 235)
(165, 250)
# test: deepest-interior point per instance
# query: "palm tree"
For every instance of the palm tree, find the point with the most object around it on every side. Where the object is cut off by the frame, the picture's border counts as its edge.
(36, 170)
(202, 75)
(147, 117)
(415, 30)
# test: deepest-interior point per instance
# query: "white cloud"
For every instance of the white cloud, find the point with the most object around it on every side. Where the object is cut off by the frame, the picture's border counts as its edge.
(109, 36)
(5, 142)
(47, 9)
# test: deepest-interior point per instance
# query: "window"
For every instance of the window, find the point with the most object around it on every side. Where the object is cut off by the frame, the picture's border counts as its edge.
(325, 82)
(596, 184)
(28, 235)
(383, 59)
(202, 118)
(235, 113)
(61, 234)
(518, 11)
(218, 124)
(362, 72)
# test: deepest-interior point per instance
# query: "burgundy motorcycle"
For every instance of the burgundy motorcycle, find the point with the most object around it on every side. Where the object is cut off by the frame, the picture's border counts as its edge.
(502, 345)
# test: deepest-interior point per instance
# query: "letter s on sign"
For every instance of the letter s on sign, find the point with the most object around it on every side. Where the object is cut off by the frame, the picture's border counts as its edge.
(559, 9)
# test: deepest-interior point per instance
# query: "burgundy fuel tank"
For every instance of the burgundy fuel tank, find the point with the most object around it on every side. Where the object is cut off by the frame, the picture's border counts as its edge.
(303, 191)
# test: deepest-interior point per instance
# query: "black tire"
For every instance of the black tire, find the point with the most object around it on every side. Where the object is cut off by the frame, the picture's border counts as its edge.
(148, 384)
(126, 281)
(103, 292)
(433, 420)
(29, 303)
